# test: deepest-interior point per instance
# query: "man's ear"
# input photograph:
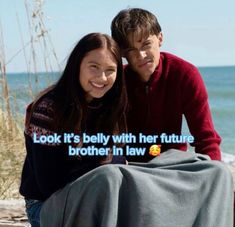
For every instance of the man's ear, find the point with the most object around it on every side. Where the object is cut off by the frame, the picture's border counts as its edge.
(160, 38)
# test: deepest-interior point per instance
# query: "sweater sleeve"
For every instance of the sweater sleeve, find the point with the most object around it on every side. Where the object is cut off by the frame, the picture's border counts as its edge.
(45, 160)
(197, 113)
(48, 167)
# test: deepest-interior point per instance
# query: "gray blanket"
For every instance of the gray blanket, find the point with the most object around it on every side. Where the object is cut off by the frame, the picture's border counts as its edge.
(176, 189)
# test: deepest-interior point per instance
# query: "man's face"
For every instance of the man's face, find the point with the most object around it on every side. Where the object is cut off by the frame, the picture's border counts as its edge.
(144, 54)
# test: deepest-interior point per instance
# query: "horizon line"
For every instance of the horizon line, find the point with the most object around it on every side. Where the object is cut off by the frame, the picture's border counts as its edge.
(202, 66)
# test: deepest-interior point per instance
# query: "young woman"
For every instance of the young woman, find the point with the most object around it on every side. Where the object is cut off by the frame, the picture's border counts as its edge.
(90, 97)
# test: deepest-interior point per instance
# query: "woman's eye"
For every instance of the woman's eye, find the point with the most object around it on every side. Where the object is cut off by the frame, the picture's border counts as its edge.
(110, 71)
(94, 66)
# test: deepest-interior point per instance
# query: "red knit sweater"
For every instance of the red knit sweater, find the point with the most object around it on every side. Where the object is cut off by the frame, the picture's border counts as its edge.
(157, 106)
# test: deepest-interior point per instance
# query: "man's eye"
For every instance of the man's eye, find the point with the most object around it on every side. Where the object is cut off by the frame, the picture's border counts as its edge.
(129, 50)
(147, 45)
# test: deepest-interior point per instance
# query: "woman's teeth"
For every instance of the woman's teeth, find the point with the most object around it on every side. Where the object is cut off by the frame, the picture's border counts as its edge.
(97, 85)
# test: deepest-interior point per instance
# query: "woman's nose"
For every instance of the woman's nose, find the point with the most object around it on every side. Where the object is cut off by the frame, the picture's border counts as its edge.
(102, 76)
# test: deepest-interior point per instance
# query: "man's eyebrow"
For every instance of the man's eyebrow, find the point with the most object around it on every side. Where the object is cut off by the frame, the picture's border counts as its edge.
(147, 40)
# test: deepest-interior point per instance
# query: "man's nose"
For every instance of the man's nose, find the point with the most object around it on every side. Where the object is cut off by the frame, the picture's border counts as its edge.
(142, 54)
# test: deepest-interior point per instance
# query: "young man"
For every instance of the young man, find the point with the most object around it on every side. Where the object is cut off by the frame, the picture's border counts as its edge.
(162, 88)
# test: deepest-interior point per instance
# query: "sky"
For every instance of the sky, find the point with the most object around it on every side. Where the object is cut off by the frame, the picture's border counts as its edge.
(202, 31)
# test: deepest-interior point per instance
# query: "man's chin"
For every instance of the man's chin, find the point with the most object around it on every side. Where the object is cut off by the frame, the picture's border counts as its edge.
(145, 76)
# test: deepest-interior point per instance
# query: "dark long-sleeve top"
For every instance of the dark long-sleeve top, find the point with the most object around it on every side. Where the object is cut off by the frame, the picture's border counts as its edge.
(48, 167)
(175, 89)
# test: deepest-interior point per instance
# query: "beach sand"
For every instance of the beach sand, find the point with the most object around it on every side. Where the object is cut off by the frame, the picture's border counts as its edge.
(12, 213)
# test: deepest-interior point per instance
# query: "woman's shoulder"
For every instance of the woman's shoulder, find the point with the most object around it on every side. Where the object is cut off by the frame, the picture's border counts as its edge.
(39, 117)
(43, 108)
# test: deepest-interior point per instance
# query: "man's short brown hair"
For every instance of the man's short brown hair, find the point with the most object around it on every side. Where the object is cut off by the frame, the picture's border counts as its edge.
(135, 21)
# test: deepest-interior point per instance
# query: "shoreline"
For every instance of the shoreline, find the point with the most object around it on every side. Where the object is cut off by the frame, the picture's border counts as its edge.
(228, 158)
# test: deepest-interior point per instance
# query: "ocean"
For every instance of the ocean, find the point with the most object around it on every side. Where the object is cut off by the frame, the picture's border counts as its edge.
(219, 81)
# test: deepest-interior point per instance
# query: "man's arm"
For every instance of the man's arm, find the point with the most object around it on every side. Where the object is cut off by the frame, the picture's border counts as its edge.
(198, 115)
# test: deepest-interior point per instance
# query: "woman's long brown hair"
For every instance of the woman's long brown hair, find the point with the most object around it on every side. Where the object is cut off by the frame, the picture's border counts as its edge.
(70, 104)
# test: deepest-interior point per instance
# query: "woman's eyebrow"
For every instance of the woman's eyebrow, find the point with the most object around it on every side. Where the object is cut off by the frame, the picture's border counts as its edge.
(93, 62)
(96, 63)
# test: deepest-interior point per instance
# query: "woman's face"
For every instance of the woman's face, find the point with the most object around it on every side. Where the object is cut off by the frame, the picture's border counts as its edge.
(98, 71)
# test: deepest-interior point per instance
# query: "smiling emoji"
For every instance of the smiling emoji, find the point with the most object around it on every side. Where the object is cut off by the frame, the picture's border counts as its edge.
(155, 150)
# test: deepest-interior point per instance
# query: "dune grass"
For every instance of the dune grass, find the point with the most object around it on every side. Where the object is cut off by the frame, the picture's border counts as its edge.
(12, 154)
(38, 46)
